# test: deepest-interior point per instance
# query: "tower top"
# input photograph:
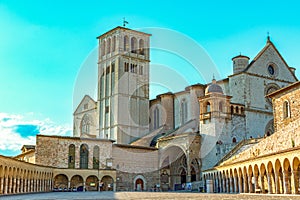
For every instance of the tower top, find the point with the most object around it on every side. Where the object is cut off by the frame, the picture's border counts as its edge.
(124, 29)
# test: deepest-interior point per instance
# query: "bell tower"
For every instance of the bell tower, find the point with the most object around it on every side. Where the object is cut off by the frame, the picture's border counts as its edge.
(123, 84)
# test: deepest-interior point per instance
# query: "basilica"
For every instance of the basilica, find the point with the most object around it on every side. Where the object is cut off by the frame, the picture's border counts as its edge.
(214, 137)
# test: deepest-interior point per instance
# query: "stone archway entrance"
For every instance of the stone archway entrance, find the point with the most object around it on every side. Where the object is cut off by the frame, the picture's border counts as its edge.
(139, 184)
(173, 167)
(107, 183)
(77, 182)
(60, 182)
(91, 183)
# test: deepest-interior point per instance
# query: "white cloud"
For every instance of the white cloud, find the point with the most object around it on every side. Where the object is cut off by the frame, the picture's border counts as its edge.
(13, 139)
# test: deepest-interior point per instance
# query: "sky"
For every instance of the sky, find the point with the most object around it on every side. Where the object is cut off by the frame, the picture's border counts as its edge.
(46, 46)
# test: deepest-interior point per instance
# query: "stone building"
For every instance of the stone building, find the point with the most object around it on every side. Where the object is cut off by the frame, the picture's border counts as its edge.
(125, 141)
(272, 164)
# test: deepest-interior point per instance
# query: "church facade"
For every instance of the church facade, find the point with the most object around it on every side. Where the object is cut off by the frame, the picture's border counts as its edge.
(124, 141)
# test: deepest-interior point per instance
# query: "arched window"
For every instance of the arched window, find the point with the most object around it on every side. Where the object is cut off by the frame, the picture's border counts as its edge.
(237, 110)
(234, 140)
(114, 44)
(207, 107)
(286, 110)
(85, 125)
(103, 46)
(71, 162)
(108, 45)
(126, 43)
(231, 109)
(221, 106)
(184, 111)
(96, 158)
(141, 47)
(84, 156)
(156, 118)
(133, 45)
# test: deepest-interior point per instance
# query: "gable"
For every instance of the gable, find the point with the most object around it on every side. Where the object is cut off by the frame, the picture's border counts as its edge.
(87, 103)
(269, 63)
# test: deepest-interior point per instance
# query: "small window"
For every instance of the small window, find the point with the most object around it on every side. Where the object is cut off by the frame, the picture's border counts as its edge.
(112, 67)
(221, 106)
(286, 110)
(107, 70)
(141, 70)
(207, 107)
(234, 140)
(237, 110)
(106, 109)
(126, 67)
(86, 106)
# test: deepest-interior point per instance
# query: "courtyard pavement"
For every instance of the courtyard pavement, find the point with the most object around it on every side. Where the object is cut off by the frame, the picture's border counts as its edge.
(144, 195)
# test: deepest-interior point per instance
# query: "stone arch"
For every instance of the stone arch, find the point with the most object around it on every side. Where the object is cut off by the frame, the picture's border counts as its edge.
(108, 45)
(278, 177)
(92, 183)
(139, 183)
(241, 180)
(245, 176)
(141, 47)
(250, 179)
(133, 45)
(107, 183)
(287, 174)
(114, 44)
(296, 174)
(126, 43)
(77, 182)
(60, 181)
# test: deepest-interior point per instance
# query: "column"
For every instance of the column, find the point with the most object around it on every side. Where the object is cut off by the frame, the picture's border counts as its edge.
(270, 189)
(10, 185)
(25, 185)
(256, 186)
(236, 184)
(6, 185)
(224, 184)
(21, 185)
(240, 184)
(69, 184)
(277, 184)
(1, 185)
(286, 182)
(250, 184)
(262, 181)
(18, 185)
(83, 186)
(295, 182)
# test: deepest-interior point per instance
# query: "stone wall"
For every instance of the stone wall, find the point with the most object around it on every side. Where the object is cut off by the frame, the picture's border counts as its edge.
(132, 162)
(53, 150)
(287, 133)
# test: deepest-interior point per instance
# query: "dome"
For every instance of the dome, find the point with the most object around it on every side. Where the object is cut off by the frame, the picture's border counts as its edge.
(213, 88)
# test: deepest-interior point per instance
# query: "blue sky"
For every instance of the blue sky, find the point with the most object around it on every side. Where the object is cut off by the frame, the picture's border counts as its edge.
(44, 44)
